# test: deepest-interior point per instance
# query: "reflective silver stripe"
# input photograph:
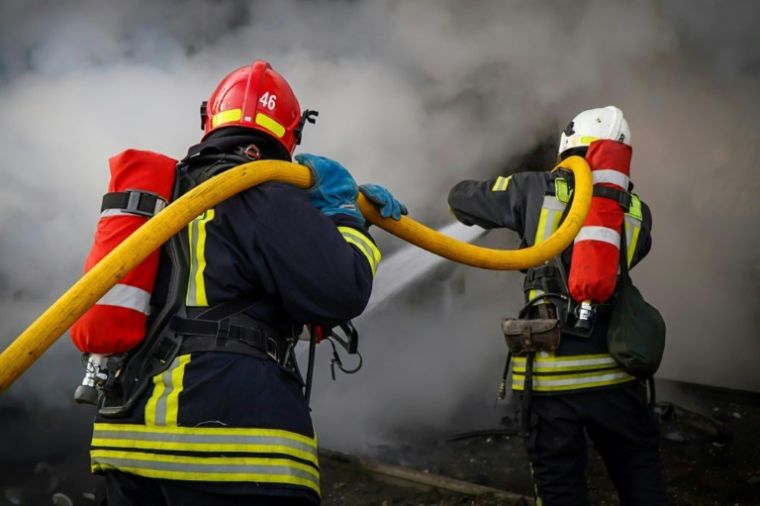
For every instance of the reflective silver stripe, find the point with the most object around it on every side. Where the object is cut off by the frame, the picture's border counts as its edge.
(552, 203)
(365, 245)
(110, 213)
(162, 406)
(632, 229)
(204, 442)
(500, 184)
(228, 468)
(551, 212)
(612, 177)
(602, 234)
(548, 220)
(578, 380)
(166, 380)
(192, 289)
(126, 296)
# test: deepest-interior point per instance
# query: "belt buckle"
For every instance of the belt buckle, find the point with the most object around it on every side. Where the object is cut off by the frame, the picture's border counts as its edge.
(272, 348)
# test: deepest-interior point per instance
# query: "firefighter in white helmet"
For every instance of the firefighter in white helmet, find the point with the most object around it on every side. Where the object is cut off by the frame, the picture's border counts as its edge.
(570, 385)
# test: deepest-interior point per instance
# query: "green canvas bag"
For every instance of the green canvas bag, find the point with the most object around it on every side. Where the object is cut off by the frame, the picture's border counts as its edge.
(636, 335)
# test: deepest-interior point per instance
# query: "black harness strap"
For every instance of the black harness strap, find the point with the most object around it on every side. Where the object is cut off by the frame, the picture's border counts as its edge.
(137, 202)
(623, 198)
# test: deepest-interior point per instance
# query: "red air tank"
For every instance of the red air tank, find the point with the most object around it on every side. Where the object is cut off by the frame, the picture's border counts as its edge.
(596, 253)
(116, 323)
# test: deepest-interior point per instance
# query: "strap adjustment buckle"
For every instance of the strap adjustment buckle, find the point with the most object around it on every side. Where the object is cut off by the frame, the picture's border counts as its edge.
(542, 271)
(223, 329)
(144, 203)
(137, 202)
(272, 349)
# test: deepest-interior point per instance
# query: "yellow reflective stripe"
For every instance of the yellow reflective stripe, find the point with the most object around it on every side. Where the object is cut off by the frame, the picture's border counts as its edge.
(361, 247)
(539, 502)
(587, 140)
(541, 226)
(161, 408)
(172, 401)
(632, 230)
(635, 210)
(535, 293)
(216, 448)
(150, 407)
(270, 125)
(550, 363)
(206, 431)
(548, 222)
(363, 244)
(555, 221)
(215, 469)
(501, 184)
(226, 117)
(544, 383)
(358, 235)
(196, 289)
(634, 242)
(245, 440)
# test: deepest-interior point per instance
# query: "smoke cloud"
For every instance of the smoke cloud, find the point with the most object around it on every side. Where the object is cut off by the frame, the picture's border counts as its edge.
(415, 95)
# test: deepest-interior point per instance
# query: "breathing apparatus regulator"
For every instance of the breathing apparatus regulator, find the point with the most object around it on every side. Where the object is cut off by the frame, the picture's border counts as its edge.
(101, 373)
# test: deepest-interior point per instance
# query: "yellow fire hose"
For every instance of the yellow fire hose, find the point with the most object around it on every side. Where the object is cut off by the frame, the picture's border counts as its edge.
(41, 334)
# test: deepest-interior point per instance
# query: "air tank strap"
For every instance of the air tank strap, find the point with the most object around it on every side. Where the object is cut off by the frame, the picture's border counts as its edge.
(624, 199)
(137, 202)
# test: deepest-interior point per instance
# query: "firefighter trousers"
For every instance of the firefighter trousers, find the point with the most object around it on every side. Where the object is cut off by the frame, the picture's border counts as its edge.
(624, 430)
(125, 489)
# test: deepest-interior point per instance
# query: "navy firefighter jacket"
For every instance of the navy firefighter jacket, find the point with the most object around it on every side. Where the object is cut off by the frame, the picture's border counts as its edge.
(234, 423)
(532, 204)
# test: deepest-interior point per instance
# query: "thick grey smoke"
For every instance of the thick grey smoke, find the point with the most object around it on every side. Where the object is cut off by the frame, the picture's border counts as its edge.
(415, 95)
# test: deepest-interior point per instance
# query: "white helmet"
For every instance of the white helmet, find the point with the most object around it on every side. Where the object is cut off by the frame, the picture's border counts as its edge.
(595, 124)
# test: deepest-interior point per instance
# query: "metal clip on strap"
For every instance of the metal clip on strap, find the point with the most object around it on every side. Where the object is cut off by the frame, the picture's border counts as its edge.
(137, 202)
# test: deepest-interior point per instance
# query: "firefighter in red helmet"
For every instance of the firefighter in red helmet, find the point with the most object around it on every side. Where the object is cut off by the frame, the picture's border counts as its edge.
(210, 407)
(569, 384)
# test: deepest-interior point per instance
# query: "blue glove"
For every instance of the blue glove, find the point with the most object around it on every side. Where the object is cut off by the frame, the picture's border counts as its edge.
(334, 190)
(384, 201)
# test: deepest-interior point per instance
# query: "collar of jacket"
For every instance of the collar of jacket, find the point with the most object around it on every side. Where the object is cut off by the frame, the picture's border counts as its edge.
(227, 140)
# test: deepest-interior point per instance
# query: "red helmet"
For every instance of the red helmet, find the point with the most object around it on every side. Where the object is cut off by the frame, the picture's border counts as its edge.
(256, 97)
